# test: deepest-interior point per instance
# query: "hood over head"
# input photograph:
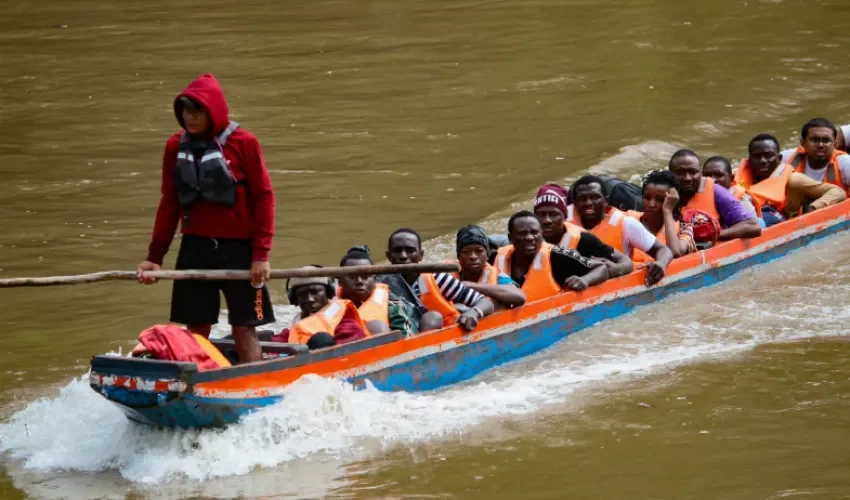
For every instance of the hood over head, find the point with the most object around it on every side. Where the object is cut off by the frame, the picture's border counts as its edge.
(206, 91)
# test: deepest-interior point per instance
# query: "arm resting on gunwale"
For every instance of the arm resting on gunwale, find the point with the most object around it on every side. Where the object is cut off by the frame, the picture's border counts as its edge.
(508, 295)
(749, 228)
(599, 273)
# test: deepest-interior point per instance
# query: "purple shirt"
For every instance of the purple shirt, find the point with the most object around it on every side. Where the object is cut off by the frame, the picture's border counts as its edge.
(731, 211)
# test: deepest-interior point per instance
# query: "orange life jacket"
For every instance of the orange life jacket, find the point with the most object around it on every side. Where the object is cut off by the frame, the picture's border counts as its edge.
(489, 275)
(325, 320)
(212, 351)
(433, 300)
(377, 306)
(703, 199)
(740, 193)
(539, 282)
(609, 230)
(833, 173)
(639, 256)
(572, 233)
(770, 190)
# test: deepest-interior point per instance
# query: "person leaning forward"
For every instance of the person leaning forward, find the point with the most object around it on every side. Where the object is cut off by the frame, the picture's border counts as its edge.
(476, 273)
(541, 269)
(215, 183)
(818, 156)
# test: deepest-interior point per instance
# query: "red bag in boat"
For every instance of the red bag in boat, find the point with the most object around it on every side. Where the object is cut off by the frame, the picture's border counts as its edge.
(706, 227)
(175, 343)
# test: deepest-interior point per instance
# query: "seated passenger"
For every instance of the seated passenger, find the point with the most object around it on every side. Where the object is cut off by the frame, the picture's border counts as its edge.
(662, 215)
(550, 207)
(780, 191)
(841, 138)
(324, 320)
(378, 310)
(477, 274)
(817, 156)
(625, 234)
(701, 193)
(436, 294)
(720, 169)
(541, 269)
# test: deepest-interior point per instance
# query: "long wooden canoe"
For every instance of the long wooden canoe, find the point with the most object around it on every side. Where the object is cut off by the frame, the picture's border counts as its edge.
(173, 394)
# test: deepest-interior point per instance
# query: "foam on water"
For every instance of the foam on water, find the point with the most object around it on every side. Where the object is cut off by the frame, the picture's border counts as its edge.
(78, 430)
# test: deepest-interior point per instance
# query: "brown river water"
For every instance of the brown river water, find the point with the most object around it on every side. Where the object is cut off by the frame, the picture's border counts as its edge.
(376, 115)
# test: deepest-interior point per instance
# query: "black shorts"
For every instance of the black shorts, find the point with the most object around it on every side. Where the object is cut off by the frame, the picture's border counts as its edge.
(197, 302)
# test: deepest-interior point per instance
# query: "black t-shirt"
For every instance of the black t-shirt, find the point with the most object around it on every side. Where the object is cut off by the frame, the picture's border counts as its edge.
(589, 245)
(566, 262)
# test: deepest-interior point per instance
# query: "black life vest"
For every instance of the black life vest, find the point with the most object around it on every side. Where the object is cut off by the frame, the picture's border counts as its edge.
(207, 177)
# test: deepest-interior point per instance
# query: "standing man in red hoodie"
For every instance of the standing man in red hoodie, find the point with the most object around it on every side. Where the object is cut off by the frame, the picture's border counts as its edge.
(214, 182)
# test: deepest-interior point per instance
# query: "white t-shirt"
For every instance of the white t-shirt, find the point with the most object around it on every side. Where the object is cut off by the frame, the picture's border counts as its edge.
(819, 175)
(636, 236)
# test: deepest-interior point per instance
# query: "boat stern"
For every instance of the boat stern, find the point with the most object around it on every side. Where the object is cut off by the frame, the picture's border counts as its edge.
(148, 391)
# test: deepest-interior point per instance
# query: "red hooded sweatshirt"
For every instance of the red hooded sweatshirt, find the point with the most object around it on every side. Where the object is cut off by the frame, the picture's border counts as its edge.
(250, 218)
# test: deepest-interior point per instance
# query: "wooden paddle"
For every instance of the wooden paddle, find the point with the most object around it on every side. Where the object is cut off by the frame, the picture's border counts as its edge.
(232, 274)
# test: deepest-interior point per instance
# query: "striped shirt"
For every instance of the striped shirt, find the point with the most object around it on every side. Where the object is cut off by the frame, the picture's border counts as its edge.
(453, 290)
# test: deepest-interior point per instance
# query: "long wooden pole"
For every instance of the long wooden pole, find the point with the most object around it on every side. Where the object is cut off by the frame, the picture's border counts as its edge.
(232, 274)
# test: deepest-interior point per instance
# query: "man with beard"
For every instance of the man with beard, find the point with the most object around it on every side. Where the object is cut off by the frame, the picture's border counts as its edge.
(701, 193)
(817, 155)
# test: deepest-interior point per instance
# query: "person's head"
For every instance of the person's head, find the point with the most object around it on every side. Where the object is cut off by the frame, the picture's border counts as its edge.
(550, 206)
(818, 138)
(360, 287)
(525, 233)
(655, 187)
(590, 199)
(685, 166)
(193, 116)
(309, 294)
(720, 169)
(405, 247)
(764, 155)
(472, 249)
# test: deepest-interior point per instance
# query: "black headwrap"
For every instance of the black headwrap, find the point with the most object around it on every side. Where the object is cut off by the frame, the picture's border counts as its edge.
(472, 235)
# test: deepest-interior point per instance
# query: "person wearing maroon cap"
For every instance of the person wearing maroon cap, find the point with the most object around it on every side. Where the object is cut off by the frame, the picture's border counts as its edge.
(550, 207)
(215, 183)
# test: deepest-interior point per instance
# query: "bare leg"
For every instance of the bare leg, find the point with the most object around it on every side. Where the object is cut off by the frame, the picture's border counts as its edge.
(377, 326)
(431, 320)
(247, 345)
(202, 330)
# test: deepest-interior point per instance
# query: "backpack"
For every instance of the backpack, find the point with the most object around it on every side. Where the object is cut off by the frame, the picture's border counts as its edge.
(622, 195)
